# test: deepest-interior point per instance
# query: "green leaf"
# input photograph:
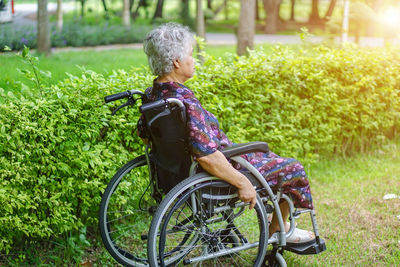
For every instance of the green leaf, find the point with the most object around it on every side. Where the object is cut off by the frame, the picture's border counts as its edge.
(10, 94)
(25, 51)
(46, 73)
(86, 147)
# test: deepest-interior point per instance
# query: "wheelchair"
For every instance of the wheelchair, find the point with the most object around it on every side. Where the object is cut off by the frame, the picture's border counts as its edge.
(162, 209)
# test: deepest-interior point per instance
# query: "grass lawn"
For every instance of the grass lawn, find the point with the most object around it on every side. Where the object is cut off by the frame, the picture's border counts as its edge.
(68, 62)
(360, 227)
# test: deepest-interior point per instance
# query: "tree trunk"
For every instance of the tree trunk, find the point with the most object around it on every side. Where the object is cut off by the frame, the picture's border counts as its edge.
(357, 33)
(104, 5)
(200, 27)
(271, 8)
(136, 13)
(209, 4)
(82, 8)
(330, 9)
(159, 9)
(257, 11)
(43, 29)
(314, 16)
(200, 24)
(126, 14)
(226, 9)
(293, 3)
(246, 26)
(345, 21)
(59, 16)
(142, 3)
(185, 12)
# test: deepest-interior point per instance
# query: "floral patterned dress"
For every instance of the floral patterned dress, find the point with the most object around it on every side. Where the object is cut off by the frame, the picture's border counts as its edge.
(205, 137)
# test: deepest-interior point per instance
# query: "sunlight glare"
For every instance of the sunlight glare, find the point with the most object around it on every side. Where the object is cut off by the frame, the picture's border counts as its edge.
(391, 17)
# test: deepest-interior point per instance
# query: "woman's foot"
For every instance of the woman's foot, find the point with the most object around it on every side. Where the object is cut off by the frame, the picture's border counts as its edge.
(300, 236)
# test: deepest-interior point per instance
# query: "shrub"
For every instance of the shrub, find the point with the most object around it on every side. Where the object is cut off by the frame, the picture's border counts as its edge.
(16, 37)
(74, 34)
(308, 101)
(57, 154)
(59, 146)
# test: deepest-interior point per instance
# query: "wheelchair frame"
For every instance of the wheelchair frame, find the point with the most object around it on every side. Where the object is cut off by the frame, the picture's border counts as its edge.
(265, 196)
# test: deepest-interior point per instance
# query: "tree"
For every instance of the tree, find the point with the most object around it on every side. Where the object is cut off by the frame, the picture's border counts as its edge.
(257, 11)
(331, 7)
(293, 3)
(59, 16)
(271, 8)
(159, 9)
(185, 12)
(345, 22)
(126, 14)
(246, 26)
(104, 5)
(217, 10)
(360, 15)
(43, 29)
(83, 2)
(314, 16)
(200, 24)
(142, 3)
(209, 4)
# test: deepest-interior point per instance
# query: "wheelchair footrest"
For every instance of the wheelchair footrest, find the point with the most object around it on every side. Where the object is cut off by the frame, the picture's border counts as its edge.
(308, 248)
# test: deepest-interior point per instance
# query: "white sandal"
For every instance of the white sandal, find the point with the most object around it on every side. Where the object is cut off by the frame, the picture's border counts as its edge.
(300, 237)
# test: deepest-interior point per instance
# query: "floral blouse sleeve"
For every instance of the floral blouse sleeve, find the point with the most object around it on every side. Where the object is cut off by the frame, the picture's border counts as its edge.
(205, 136)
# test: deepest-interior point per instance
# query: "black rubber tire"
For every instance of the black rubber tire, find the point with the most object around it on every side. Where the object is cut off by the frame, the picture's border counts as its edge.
(122, 223)
(274, 259)
(171, 203)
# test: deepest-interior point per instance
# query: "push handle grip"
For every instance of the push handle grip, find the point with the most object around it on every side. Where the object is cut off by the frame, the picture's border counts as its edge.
(114, 97)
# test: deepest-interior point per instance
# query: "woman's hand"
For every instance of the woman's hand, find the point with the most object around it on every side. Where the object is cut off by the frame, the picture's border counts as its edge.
(216, 164)
(248, 194)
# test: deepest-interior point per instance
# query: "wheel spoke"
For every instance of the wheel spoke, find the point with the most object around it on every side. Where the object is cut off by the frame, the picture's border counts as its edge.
(217, 232)
(121, 222)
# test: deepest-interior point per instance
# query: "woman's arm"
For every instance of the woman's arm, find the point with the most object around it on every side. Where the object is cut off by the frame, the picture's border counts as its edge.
(216, 164)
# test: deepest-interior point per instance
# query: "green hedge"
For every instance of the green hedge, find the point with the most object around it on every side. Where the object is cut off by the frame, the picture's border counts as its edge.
(306, 101)
(59, 147)
(74, 33)
(58, 152)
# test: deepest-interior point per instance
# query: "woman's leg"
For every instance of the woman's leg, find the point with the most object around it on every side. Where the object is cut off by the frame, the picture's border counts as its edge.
(274, 226)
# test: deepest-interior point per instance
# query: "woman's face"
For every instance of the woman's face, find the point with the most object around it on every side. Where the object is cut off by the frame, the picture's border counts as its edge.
(186, 66)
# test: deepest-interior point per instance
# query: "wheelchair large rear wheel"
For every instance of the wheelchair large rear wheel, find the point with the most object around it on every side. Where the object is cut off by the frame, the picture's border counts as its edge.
(124, 217)
(201, 222)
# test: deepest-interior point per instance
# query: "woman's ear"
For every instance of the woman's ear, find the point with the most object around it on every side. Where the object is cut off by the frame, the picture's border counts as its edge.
(176, 64)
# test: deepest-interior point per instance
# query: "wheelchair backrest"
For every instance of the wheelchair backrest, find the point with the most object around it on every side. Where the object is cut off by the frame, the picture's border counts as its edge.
(165, 122)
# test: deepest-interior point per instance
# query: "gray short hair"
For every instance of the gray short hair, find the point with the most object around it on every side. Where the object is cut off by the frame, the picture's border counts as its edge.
(165, 44)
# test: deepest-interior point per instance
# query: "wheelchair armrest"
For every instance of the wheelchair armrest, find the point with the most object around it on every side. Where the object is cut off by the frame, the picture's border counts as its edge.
(245, 148)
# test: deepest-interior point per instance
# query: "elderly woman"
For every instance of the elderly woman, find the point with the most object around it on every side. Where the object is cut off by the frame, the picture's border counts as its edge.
(169, 51)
